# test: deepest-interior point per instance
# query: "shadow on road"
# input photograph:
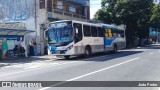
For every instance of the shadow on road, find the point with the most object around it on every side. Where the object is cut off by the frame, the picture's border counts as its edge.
(100, 57)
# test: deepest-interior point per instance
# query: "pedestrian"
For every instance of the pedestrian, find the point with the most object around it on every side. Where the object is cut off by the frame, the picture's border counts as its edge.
(31, 50)
(0, 53)
(35, 47)
(4, 48)
(23, 47)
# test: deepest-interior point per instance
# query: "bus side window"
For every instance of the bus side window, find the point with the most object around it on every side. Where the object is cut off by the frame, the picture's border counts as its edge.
(87, 30)
(100, 32)
(106, 33)
(122, 34)
(119, 35)
(114, 33)
(77, 31)
(110, 32)
(94, 31)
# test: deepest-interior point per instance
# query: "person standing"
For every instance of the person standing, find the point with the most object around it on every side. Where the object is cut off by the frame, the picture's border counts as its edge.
(35, 47)
(23, 49)
(4, 48)
(31, 49)
(0, 53)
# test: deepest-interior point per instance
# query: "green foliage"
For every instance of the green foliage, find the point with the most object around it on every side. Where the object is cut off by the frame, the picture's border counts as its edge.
(155, 17)
(135, 14)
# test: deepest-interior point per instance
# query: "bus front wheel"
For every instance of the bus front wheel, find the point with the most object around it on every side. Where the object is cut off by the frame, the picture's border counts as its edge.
(67, 57)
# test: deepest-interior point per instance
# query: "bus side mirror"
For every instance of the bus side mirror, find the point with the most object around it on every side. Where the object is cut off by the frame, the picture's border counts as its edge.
(46, 34)
(76, 35)
(76, 30)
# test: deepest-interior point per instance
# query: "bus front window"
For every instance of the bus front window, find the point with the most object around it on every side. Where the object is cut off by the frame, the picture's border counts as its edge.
(52, 36)
(60, 35)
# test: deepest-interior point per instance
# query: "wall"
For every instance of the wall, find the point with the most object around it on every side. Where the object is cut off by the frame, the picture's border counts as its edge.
(25, 11)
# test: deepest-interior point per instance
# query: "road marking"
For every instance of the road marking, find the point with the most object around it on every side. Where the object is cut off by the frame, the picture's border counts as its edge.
(103, 69)
(159, 89)
(38, 64)
(32, 66)
(16, 65)
(27, 70)
(92, 73)
(151, 53)
(36, 69)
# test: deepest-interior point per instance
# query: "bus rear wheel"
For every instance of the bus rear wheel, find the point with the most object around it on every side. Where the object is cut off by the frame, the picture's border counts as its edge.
(115, 49)
(67, 57)
(88, 52)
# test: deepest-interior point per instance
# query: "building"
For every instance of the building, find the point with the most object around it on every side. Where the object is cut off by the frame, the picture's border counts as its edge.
(154, 35)
(65, 9)
(34, 15)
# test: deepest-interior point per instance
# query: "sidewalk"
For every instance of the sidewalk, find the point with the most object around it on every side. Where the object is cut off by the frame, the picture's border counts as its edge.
(156, 44)
(16, 60)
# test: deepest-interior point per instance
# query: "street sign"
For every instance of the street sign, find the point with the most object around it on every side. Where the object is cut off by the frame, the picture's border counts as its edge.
(13, 25)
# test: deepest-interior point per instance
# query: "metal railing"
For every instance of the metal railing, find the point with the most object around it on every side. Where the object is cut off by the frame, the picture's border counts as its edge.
(72, 15)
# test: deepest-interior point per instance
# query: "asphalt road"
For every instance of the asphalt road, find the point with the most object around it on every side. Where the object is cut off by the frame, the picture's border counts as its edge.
(140, 64)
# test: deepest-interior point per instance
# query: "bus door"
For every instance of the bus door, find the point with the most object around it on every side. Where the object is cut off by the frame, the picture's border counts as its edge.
(78, 38)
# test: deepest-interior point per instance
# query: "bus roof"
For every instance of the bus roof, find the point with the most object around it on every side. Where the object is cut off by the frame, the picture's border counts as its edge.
(95, 24)
(113, 27)
(61, 21)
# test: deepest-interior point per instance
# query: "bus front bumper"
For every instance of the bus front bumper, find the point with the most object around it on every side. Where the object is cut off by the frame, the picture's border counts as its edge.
(60, 53)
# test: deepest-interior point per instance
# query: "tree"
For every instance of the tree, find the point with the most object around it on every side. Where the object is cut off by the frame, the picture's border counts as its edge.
(155, 18)
(135, 14)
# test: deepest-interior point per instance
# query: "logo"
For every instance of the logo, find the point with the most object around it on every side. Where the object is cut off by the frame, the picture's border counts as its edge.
(6, 84)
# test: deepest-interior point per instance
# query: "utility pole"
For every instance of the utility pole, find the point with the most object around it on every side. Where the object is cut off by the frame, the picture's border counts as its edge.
(35, 13)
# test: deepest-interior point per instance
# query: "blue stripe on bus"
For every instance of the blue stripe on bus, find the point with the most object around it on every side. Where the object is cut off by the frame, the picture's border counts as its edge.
(111, 27)
(53, 48)
(108, 41)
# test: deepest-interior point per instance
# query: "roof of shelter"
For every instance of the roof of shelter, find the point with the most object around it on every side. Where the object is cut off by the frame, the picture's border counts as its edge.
(17, 32)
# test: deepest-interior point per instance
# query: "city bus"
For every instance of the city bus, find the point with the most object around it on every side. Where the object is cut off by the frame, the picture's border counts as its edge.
(72, 38)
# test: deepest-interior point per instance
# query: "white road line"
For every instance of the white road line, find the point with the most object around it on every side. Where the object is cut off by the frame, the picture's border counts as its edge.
(26, 69)
(159, 89)
(38, 65)
(36, 69)
(29, 64)
(151, 53)
(93, 72)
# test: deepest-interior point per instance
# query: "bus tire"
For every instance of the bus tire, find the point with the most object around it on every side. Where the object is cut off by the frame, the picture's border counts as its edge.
(67, 57)
(88, 51)
(115, 49)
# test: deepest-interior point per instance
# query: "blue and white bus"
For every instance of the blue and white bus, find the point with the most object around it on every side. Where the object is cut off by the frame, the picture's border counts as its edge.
(71, 38)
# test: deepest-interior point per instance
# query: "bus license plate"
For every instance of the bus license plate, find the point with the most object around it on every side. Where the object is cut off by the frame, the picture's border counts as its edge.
(57, 52)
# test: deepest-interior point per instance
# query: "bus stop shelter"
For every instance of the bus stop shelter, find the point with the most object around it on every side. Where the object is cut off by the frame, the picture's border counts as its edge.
(13, 32)
(12, 36)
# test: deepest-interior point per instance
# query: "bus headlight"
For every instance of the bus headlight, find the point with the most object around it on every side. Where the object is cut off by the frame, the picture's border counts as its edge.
(70, 47)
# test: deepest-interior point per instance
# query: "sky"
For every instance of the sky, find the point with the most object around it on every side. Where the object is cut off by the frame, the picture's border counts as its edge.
(94, 6)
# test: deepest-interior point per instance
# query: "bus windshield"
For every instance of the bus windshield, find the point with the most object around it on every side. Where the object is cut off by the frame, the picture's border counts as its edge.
(60, 35)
